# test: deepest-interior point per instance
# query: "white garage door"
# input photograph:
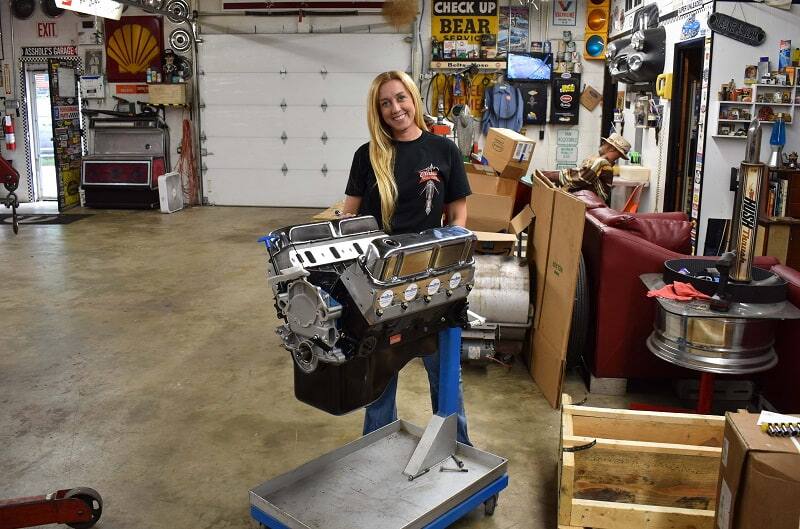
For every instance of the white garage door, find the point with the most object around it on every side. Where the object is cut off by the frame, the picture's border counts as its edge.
(284, 114)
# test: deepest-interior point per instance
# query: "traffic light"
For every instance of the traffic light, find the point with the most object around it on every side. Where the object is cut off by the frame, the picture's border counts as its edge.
(596, 31)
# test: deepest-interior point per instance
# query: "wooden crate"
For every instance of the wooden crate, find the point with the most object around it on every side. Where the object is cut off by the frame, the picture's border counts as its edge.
(646, 470)
(168, 94)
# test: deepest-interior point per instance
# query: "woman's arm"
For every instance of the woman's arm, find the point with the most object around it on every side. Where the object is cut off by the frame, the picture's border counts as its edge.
(351, 205)
(455, 213)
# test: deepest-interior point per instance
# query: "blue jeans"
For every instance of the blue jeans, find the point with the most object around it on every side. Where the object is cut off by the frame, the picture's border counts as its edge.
(384, 410)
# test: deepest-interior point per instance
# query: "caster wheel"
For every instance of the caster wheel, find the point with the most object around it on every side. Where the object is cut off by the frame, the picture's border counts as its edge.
(92, 500)
(490, 505)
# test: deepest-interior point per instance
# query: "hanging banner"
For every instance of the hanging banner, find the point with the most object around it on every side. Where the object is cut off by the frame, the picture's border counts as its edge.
(100, 8)
(534, 95)
(463, 20)
(565, 12)
(566, 99)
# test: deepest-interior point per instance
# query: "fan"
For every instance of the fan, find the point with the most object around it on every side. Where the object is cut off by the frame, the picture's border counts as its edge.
(170, 192)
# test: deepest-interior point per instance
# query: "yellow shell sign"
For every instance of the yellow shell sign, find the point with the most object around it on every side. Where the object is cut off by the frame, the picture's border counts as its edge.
(463, 20)
(133, 47)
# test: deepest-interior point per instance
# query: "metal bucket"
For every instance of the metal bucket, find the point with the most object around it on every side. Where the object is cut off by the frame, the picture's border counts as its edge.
(725, 345)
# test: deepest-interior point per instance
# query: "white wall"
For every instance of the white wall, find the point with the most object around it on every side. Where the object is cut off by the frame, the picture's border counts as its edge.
(654, 154)
(730, 58)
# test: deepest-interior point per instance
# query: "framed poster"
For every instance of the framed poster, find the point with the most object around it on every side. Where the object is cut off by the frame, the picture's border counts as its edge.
(133, 44)
(565, 12)
(566, 99)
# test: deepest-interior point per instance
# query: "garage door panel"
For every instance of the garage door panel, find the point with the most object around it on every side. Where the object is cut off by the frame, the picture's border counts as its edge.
(243, 153)
(249, 187)
(299, 89)
(298, 122)
(303, 53)
(242, 121)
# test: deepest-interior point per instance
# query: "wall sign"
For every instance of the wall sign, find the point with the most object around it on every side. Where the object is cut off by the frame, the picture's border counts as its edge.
(49, 51)
(46, 29)
(463, 20)
(133, 44)
(567, 153)
(566, 98)
(736, 29)
(112, 10)
(567, 136)
(565, 12)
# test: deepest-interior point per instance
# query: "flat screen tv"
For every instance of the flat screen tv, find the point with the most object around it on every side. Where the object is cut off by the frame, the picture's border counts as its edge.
(529, 66)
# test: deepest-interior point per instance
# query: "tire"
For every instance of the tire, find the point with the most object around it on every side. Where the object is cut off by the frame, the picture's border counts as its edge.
(579, 329)
(92, 500)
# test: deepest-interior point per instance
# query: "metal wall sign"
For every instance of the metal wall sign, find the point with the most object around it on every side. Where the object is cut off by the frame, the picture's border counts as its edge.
(566, 96)
(463, 20)
(49, 51)
(736, 29)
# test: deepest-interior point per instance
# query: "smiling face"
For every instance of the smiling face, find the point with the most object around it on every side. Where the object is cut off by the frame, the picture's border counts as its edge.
(397, 110)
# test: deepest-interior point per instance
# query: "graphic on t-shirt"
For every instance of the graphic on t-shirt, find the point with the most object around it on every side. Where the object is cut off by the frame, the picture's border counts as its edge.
(429, 176)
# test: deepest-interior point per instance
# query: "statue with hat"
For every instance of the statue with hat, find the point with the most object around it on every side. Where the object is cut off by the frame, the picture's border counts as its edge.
(594, 173)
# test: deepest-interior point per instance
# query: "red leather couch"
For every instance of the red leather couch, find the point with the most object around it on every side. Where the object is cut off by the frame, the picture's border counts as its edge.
(781, 385)
(617, 249)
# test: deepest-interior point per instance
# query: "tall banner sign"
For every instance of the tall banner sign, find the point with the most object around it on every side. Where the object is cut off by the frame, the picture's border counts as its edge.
(463, 20)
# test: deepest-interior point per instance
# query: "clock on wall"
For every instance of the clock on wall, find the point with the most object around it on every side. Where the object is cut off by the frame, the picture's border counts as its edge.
(22, 9)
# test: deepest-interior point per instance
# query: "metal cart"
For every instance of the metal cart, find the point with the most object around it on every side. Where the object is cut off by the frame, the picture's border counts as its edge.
(399, 476)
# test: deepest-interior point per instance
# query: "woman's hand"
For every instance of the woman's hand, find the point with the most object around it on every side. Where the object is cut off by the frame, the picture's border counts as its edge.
(455, 213)
(351, 206)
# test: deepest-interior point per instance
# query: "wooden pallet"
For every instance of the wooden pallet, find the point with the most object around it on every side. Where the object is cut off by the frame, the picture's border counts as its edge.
(644, 470)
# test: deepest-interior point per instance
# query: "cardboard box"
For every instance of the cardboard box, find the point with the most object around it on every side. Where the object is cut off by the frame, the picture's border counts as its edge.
(508, 152)
(490, 207)
(495, 243)
(554, 251)
(759, 483)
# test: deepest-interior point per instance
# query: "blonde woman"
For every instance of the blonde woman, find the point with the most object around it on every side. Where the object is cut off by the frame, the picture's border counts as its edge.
(409, 180)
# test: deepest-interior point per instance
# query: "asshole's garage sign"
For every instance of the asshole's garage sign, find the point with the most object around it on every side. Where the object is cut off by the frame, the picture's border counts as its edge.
(463, 20)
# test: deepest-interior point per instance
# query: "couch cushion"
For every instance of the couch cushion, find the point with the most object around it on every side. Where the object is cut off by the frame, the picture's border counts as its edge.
(590, 199)
(668, 233)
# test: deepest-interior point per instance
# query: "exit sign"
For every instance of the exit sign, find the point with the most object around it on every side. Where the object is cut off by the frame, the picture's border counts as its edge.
(47, 29)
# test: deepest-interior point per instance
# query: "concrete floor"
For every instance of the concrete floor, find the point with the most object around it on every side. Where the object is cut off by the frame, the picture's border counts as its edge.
(139, 359)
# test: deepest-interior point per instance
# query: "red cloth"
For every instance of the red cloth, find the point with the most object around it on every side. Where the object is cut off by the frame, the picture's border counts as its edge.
(678, 291)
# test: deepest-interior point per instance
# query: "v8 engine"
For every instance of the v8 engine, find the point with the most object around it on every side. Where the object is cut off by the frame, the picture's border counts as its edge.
(358, 304)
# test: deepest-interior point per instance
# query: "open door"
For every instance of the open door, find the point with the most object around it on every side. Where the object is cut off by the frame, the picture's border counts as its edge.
(683, 129)
(67, 145)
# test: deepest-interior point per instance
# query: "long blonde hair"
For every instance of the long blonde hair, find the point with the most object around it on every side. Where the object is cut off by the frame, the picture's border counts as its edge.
(381, 148)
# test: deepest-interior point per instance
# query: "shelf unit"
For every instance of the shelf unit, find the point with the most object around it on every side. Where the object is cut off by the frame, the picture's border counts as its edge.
(753, 107)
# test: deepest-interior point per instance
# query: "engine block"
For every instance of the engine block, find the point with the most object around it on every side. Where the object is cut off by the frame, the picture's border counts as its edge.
(358, 304)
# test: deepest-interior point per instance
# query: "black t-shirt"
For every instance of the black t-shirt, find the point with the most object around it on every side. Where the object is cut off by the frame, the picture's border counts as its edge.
(430, 166)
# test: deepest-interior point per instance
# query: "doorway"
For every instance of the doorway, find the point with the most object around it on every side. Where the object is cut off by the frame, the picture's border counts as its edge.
(684, 129)
(40, 127)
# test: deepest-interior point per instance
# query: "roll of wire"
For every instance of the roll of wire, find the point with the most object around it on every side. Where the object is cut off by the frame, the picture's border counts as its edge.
(501, 293)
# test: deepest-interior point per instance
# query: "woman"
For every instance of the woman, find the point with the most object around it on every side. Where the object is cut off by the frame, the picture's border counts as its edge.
(409, 180)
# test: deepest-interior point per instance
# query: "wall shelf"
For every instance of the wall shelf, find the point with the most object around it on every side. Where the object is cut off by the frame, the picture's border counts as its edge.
(753, 107)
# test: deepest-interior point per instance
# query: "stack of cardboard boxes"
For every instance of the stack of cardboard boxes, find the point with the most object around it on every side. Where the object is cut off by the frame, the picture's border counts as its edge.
(495, 212)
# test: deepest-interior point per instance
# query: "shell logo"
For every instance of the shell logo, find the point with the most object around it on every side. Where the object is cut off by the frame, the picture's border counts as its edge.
(133, 47)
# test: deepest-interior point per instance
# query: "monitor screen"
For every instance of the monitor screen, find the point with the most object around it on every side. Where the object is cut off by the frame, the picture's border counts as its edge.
(530, 66)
